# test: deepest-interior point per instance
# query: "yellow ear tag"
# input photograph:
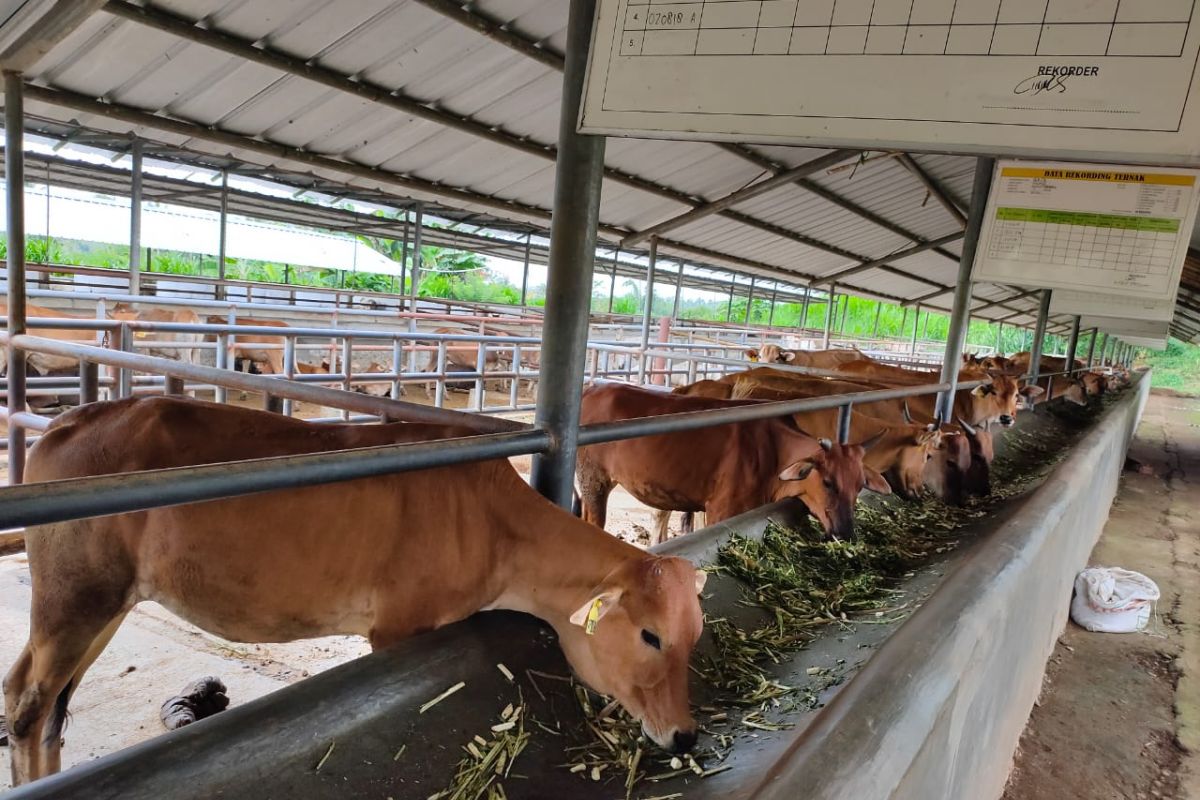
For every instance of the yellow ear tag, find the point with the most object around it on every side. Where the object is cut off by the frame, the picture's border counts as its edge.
(140, 334)
(593, 616)
(754, 358)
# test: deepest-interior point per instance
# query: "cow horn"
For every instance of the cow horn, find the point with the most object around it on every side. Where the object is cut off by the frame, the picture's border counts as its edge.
(966, 426)
(907, 414)
(826, 444)
(874, 440)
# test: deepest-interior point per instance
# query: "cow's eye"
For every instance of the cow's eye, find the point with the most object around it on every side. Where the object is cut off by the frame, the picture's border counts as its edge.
(652, 640)
(828, 483)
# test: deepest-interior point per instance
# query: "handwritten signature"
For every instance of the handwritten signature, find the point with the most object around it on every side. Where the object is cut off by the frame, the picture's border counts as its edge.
(1039, 84)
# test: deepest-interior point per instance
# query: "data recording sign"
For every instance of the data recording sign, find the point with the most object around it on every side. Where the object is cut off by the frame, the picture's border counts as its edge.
(1088, 227)
(1092, 79)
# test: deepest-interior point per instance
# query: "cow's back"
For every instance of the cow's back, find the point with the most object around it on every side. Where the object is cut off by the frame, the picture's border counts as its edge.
(207, 561)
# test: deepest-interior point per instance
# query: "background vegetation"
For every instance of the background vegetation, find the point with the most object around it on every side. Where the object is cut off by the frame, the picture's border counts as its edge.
(458, 275)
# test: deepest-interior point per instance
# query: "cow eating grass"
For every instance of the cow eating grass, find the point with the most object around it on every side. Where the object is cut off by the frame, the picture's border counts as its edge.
(372, 557)
(724, 470)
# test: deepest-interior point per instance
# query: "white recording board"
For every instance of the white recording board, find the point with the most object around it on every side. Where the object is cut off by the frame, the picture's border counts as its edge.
(1088, 227)
(1070, 301)
(1089, 79)
(1125, 328)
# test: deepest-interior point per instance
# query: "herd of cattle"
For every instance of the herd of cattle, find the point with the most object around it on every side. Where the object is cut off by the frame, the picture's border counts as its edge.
(374, 557)
(895, 446)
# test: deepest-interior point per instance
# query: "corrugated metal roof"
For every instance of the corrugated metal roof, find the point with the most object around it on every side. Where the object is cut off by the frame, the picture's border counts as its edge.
(408, 48)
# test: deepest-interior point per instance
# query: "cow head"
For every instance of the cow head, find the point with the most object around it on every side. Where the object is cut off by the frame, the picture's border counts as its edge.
(829, 481)
(978, 479)
(1076, 392)
(771, 354)
(632, 639)
(913, 455)
(998, 400)
(1094, 384)
(998, 363)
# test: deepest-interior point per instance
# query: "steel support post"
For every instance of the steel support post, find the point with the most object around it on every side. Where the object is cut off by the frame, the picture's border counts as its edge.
(961, 310)
(771, 312)
(804, 309)
(1072, 344)
(89, 382)
(729, 305)
(1000, 339)
(1093, 334)
(222, 233)
(912, 348)
(415, 280)
(647, 308)
(14, 166)
(135, 219)
(578, 173)
(1039, 336)
(612, 284)
(525, 271)
(678, 292)
(749, 301)
(828, 318)
(875, 327)
(404, 260)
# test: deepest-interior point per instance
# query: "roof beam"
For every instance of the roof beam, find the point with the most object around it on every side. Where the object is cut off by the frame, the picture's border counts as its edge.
(467, 14)
(36, 27)
(897, 256)
(371, 92)
(934, 188)
(741, 195)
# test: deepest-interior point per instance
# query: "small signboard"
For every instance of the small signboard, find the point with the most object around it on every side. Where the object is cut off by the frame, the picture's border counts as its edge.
(1090, 79)
(1091, 228)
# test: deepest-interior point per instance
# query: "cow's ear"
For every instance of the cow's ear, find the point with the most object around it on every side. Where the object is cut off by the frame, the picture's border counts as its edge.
(876, 482)
(752, 355)
(1032, 391)
(797, 471)
(788, 355)
(595, 609)
(982, 391)
(701, 579)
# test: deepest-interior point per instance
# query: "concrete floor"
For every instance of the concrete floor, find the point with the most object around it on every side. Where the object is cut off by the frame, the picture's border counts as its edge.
(1119, 715)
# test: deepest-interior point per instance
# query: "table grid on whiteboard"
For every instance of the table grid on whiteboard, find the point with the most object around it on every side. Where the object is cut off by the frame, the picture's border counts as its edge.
(1113, 243)
(1139, 28)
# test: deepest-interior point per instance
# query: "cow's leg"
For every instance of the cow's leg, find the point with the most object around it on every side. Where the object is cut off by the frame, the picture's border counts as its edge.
(38, 688)
(594, 488)
(688, 523)
(662, 520)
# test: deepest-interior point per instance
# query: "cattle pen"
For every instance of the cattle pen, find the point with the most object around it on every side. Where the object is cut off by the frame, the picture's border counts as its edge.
(882, 647)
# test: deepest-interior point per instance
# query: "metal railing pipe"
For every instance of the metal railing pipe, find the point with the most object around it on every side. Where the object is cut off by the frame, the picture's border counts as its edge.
(77, 498)
(695, 420)
(278, 386)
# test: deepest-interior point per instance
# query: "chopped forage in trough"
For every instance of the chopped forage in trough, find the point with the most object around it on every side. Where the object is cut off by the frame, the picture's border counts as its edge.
(372, 557)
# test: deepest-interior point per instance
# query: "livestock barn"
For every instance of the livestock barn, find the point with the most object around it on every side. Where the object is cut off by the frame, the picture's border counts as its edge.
(805, 519)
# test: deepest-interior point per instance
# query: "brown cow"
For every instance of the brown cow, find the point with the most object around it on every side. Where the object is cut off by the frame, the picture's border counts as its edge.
(371, 557)
(41, 363)
(268, 361)
(126, 313)
(723, 471)
(720, 390)
(900, 451)
(955, 469)
(817, 359)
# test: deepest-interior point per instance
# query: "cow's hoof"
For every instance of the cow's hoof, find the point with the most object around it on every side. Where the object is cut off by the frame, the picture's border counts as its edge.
(198, 700)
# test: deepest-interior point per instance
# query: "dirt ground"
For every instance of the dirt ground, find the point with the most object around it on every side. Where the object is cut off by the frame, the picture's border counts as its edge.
(1119, 715)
